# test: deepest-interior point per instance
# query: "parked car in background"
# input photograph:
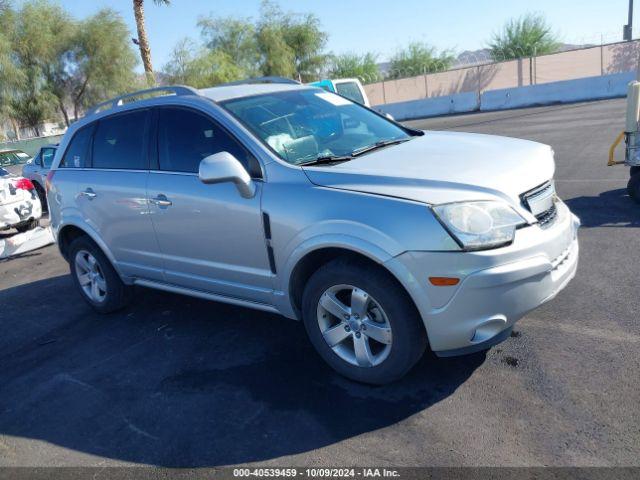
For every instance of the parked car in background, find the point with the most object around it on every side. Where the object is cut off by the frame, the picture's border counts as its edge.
(19, 203)
(37, 169)
(350, 88)
(291, 199)
(12, 160)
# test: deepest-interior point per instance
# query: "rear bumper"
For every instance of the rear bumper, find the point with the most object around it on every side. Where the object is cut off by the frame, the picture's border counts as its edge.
(18, 213)
(497, 287)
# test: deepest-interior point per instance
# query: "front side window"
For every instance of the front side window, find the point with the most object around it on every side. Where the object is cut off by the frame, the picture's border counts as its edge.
(186, 137)
(77, 153)
(351, 90)
(120, 141)
(303, 125)
(47, 157)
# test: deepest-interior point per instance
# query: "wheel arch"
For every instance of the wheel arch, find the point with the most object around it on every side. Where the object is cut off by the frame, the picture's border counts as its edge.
(309, 262)
(70, 231)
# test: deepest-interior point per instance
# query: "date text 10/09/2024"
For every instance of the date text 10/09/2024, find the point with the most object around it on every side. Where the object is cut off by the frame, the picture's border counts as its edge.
(316, 472)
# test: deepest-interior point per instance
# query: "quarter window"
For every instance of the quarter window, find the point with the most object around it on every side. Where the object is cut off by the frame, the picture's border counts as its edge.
(185, 138)
(119, 141)
(77, 153)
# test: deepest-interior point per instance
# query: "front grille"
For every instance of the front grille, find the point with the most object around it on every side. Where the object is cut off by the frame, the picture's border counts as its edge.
(546, 217)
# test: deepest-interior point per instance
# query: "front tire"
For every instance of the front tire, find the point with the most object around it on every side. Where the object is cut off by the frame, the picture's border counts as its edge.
(362, 322)
(96, 279)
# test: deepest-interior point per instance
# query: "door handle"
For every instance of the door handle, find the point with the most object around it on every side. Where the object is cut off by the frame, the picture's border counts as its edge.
(161, 201)
(89, 193)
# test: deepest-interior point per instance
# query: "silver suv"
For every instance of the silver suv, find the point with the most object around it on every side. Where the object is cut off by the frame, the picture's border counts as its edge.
(294, 200)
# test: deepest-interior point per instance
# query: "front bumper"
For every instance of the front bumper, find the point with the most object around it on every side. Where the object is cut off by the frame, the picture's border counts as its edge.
(497, 287)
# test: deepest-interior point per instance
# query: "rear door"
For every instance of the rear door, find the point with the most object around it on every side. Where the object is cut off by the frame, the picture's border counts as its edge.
(103, 175)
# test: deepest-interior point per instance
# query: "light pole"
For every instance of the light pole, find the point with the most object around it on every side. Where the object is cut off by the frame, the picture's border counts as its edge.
(627, 30)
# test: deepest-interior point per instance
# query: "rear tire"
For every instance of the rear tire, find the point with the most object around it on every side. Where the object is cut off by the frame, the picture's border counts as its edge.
(633, 187)
(386, 304)
(96, 279)
(42, 196)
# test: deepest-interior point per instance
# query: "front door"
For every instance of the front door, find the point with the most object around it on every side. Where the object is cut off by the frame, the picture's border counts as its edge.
(211, 238)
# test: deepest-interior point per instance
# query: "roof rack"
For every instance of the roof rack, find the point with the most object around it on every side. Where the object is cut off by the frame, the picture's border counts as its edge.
(258, 80)
(177, 90)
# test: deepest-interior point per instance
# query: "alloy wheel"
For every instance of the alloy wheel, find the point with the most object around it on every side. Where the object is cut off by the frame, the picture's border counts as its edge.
(354, 325)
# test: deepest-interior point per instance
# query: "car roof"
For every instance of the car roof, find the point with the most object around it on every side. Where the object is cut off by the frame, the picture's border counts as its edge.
(227, 92)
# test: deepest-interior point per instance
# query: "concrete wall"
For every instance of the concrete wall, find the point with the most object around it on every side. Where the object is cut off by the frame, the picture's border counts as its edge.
(591, 88)
(582, 89)
(588, 62)
(430, 107)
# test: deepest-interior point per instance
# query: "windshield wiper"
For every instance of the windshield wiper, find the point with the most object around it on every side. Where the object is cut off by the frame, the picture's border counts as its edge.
(327, 159)
(377, 145)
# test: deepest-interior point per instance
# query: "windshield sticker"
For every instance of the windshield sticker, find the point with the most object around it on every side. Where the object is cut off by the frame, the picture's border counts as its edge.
(333, 99)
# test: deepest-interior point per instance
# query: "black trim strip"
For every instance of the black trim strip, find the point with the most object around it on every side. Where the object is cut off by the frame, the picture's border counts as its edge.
(266, 222)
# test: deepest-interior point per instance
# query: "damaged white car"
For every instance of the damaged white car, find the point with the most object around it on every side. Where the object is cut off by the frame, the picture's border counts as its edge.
(20, 207)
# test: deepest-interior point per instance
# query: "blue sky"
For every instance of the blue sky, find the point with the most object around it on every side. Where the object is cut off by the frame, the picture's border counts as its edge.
(380, 25)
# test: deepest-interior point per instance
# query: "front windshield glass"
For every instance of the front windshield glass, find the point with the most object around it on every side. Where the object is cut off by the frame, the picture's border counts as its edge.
(304, 125)
(351, 91)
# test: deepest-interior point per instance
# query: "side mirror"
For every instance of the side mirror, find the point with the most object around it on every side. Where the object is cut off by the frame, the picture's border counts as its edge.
(223, 167)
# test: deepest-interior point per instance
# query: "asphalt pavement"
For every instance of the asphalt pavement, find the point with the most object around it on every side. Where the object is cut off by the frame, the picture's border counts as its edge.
(177, 381)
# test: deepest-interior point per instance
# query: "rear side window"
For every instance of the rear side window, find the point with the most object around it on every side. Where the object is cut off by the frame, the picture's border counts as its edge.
(77, 153)
(120, 141)
(186, 137)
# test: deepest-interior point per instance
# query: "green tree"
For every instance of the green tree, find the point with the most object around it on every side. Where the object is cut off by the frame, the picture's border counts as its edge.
(235, 37)
(526, 36)
(9, 74)
(32, 100)
(290, 44)
(200, 67)
(45, 41)
(419, 58)
(104, 60)
(353, 65)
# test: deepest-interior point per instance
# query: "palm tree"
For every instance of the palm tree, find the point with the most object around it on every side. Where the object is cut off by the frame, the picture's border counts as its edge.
(142, 40)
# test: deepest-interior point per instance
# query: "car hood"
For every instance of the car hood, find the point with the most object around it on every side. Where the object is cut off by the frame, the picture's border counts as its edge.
(441, 167)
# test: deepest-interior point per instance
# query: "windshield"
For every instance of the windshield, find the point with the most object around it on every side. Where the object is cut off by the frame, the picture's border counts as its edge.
(351, 91)
(303, 125)
(13, 158)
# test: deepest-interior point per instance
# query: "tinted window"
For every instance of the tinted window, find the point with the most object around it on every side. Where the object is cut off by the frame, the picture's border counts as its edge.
(120, 141)
(186, 137)
(77, 154)
(351, 91)
(47, 157)
(37, 160)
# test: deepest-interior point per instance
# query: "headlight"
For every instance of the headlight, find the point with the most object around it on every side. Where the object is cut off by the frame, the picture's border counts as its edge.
(480, 225)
